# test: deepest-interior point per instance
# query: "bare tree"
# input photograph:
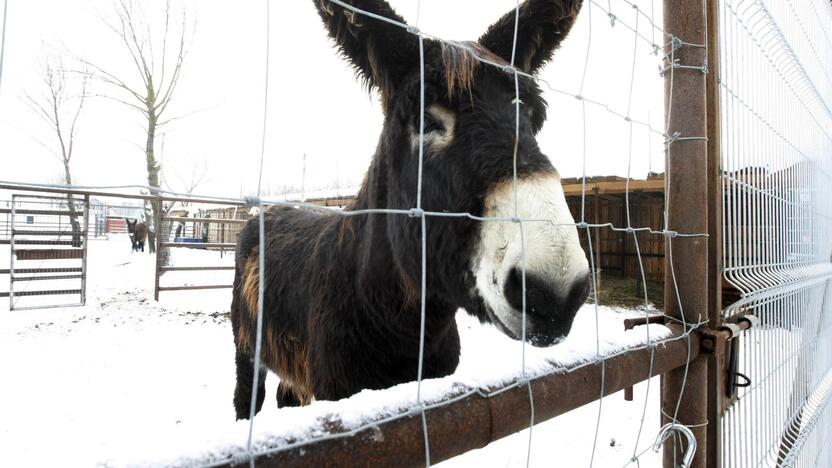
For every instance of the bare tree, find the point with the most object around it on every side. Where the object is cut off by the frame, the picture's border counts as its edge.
(59, 106)
(198, 175)
(158, 66)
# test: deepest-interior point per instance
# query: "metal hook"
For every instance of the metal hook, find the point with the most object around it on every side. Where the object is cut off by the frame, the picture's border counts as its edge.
(664, 433)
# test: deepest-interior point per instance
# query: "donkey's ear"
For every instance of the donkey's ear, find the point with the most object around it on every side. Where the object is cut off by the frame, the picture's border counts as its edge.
(542, 26)
(381, 52)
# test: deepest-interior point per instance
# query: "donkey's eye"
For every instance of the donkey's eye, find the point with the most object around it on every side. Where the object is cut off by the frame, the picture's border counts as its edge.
(432, 124)
(439, 128)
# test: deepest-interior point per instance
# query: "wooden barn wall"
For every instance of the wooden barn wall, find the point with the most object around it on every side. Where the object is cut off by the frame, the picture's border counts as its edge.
(222, 232)
(617, 248)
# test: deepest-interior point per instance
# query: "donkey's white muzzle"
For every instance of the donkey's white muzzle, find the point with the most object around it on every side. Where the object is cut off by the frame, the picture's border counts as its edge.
(544, 244)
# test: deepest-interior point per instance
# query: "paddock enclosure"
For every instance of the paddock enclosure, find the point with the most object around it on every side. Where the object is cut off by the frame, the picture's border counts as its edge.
(706, 341)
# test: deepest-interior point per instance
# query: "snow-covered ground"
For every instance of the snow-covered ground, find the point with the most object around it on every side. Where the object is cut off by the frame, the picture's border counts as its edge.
(128, 381)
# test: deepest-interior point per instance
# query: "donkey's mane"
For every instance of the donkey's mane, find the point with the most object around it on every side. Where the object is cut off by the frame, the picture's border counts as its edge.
(461, 59)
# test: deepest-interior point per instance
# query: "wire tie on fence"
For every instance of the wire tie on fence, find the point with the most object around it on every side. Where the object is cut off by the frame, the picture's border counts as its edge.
(252, 201)
(517, 101)
(413, 30)
(629, 230)
(582, 225)
(612, 19)
(579, 97)
(675, 43)
(692, 138)
(628, 119)
(672, 138)
(656, 49)
(378, 434)
(670, 234)
(416, 213)
(515, 220)
(676, 421)
(240, 458)
(418, 409)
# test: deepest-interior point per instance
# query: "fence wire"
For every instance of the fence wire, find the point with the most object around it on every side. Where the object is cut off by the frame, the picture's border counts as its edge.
(671, 65)
(647, 39)
(776, 92)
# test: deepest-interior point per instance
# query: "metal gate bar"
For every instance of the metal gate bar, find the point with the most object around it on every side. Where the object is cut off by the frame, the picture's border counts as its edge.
(162, 269)
(46, 240)
(472, 421)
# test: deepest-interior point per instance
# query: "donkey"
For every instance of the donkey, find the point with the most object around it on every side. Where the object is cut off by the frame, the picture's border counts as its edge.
(341, 309)
(138, 234)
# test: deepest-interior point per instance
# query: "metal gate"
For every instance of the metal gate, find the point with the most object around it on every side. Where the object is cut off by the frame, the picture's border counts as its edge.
(47, 250)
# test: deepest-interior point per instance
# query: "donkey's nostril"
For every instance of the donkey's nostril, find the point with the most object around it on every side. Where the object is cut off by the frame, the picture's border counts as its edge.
(541, 299)
(578, 292)
(544, 299)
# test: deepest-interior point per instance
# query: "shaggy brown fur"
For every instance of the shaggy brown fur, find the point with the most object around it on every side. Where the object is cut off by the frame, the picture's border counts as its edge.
(283, 353)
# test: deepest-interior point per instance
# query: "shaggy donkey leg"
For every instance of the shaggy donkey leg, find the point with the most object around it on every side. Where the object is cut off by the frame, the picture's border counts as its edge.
(242, 392)
(446, 358)
(285, 397)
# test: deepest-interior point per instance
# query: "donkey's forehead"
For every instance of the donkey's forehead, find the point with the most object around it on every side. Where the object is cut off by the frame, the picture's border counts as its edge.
(461, 66)
(461, 60)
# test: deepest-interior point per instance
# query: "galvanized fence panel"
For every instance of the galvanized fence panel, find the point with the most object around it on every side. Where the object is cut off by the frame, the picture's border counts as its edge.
(48, 239)
(776, 91)
(197, 226)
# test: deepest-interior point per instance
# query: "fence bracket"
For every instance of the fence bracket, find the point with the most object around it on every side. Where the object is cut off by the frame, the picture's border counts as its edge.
(718, 342)
(725, 342)
(631, 323)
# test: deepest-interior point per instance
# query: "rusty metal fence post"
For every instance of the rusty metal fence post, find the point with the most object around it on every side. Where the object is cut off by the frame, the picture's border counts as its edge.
(157, 226)
(85, 236)
(684, 390)
(716, 361)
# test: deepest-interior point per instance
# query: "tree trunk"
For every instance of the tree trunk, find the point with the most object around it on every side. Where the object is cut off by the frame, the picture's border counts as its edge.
(152, 180)
(73, 213)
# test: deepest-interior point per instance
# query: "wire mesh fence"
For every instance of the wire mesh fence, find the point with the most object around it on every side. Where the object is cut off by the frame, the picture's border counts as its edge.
(346, 17)
(774, 86)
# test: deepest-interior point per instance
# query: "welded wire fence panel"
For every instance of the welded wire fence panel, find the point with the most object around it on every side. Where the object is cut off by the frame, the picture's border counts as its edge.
(776, 91)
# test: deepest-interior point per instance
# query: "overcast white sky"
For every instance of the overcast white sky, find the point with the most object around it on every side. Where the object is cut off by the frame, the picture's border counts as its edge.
(315, 104)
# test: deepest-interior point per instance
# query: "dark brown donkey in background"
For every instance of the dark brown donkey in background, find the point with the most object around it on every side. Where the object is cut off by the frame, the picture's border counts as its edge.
(341, 308)
(138, 234)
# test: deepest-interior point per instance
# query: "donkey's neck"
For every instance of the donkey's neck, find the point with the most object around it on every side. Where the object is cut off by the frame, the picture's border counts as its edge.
(367, 238)
(373, 191)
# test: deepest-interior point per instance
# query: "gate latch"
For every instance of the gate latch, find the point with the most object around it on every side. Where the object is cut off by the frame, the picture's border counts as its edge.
(726, 341)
